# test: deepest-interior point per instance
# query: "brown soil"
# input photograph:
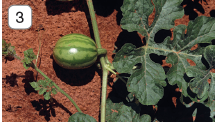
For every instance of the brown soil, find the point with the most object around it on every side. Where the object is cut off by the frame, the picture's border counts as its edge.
(20, 103)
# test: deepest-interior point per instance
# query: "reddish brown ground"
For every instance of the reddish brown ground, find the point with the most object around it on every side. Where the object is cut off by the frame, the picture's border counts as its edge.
(19, 101)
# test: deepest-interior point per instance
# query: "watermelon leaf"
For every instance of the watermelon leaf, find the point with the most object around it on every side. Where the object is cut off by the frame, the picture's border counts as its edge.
(199, 84)
(81, 117)
(211, 105)
(44, 87)
(118, 112)
(147, 82)
(29, 57)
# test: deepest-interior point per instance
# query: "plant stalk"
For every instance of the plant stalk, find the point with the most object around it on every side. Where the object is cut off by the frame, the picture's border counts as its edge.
(57, 87)
(102, 59)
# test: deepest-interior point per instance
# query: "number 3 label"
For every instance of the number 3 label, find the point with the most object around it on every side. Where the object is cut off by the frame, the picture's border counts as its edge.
(19, 17)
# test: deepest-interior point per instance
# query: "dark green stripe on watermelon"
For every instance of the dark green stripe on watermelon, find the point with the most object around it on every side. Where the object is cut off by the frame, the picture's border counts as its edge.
(74, 42)
(76, 64)
(74, 38)
(80, 49)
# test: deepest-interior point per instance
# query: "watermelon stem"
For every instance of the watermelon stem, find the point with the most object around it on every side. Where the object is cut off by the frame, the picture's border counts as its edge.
(101, 51)
(102, 59)
(57, 87)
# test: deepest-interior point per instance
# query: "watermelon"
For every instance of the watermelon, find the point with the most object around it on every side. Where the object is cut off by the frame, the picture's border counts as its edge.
(76, 51)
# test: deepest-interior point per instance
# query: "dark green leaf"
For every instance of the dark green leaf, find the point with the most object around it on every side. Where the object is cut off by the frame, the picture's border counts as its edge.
(7, 49)
(130, 97)
(81, 117)
(199, 84)
(209, 55)
(29, 57)
(26, 63)
(194, 112)
(146, 82)
(211, 105)
(126, 58)
(30, 54)
(118, 112)
(201, 30)
(136, 12)
(212, 87)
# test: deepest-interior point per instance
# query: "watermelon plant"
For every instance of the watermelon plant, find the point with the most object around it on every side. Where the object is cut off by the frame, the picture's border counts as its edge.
(144, 79)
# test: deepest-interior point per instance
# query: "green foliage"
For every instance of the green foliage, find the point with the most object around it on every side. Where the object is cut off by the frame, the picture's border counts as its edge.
(29, 57)
(199, 84)
(148, 81)
(211, 105)
(194, 113)
(81, 117)
(44, 87)
(7, 49)
(119, 112)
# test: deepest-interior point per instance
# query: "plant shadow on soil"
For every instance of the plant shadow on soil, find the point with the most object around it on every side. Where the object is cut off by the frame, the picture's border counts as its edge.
(28, 77)
(77, 77)
(46, 108)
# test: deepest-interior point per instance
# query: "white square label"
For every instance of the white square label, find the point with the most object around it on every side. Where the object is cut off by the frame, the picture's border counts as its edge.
(19, 17)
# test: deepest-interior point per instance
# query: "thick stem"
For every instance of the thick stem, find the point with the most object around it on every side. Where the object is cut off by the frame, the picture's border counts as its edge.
(101, 51)
(104, 93)
(58, 88)
(94, 23)
(102, 59)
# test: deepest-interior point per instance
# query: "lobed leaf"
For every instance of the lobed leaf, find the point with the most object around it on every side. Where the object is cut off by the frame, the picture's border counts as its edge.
(118, 112)
(44, 83)
(211, 105)
(199, 84)
(42, 91)
(54, 91)
(147, 82)
(29, 56)
(81, 117)
(47, 95)
(212, 87)
(136, 12)
(34, 84)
